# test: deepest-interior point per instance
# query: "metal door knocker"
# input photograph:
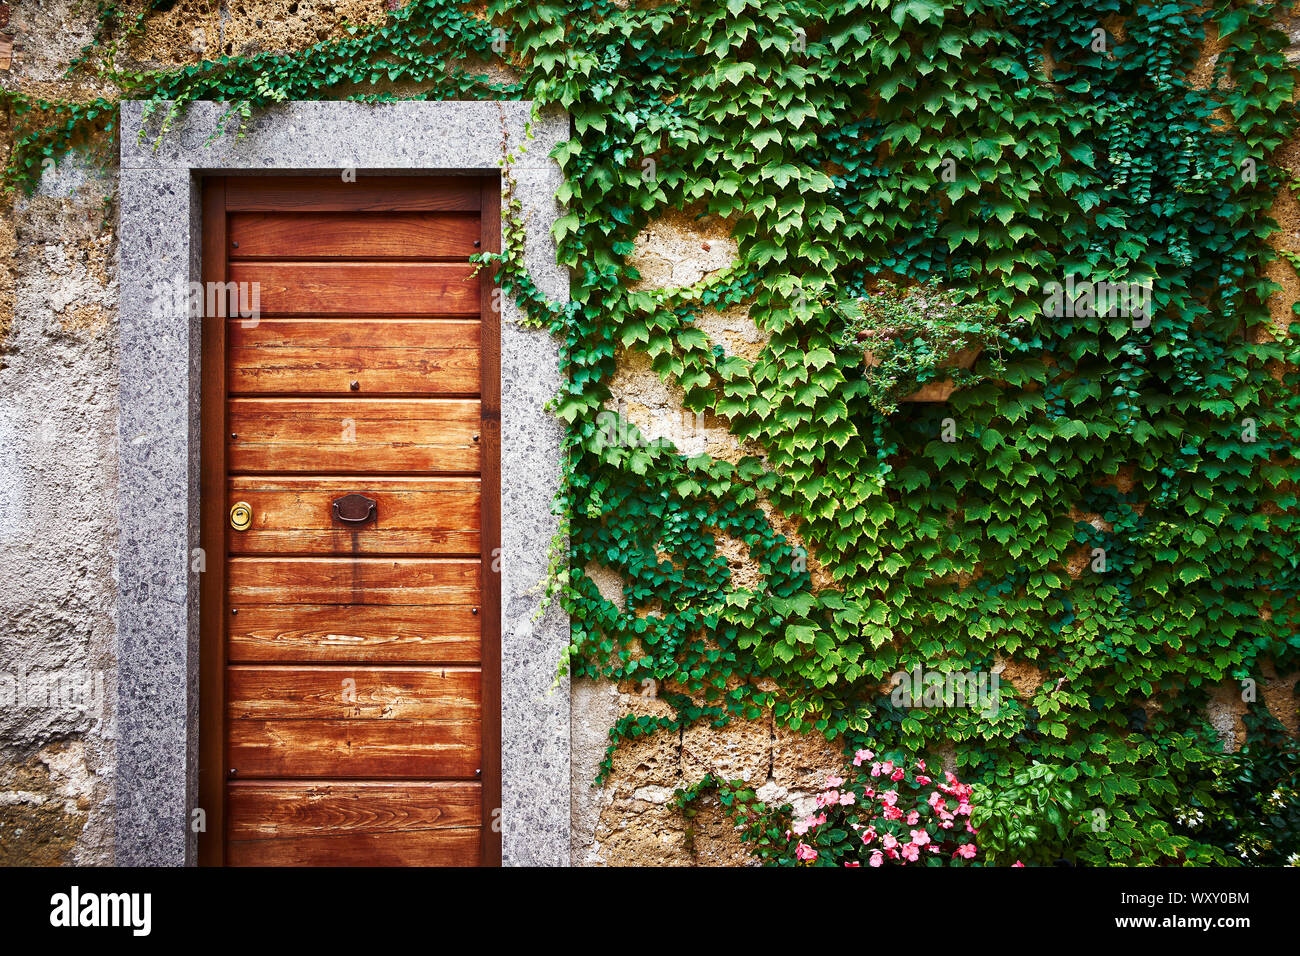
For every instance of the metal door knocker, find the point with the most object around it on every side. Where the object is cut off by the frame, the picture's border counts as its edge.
(355, 509)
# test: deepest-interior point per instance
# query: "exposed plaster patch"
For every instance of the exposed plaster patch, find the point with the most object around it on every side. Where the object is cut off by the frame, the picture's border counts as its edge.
(1225, 711)
(786, 526)
(734, 330)
(45, 808)
(1278, 692)
(608, 582)
(638, 394)
(680, 249)
(58, 535)
(1025, 678)
(745, 572)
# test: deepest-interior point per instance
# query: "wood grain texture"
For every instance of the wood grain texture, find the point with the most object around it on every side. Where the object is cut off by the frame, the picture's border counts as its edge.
(277, 692)
(378, 581)
(407, 356)
(357, 633)
(372, 367)
(413, 516)
(212, 539)
(353, 435)
(358, 288)
(354, 749)
(411, 235)
(354, 824)
(269, 810)
(458, 847)
(369, 193)
(490, 530)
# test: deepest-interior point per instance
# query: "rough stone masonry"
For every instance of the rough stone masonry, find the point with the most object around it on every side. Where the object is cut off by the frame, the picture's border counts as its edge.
(59, 465)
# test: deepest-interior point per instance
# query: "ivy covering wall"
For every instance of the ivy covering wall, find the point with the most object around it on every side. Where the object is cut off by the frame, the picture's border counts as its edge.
(995, 146)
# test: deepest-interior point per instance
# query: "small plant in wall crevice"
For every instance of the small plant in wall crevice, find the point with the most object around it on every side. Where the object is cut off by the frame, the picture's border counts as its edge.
(918, 342)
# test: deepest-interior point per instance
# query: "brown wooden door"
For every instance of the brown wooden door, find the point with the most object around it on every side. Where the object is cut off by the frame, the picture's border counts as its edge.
(350, 669)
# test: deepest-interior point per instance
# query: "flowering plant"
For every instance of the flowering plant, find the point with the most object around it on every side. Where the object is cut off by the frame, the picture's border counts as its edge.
(912, 336)
(887, 810)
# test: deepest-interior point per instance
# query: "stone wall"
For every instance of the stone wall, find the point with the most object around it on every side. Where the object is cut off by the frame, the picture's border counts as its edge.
(58, 422)
(58, 478)
(58, 485)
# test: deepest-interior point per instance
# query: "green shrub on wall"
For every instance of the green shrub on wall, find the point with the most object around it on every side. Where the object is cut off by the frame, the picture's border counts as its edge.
(1044, 156)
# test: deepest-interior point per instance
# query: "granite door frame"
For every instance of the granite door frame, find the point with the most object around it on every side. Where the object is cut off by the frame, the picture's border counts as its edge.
(157, 699)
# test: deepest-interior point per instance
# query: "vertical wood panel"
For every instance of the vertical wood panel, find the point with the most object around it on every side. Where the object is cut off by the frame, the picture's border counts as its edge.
(212, 496)
(490, 525)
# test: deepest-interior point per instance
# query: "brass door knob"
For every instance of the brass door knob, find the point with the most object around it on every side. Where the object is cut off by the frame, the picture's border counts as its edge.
(241, 516)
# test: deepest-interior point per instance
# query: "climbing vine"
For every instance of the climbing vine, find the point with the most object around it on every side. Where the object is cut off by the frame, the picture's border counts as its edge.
(996, 146)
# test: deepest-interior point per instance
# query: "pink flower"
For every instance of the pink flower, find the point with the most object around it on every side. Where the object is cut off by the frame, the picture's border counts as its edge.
(922, 779)
(892, 813)
(966, 851)
(913, 818)
(889, 841)
(860, 756)
(877, 858)
(911, 852)
(852, 863)
(1016, 864)
(897, 774)
(936, 801)
(920, 765)
(800, 827)
(887, 767)
(868, 834)
(889, 797)
(963, 808)
(920, 837)
(828, 798)
(804, 852)
(833, 782)
(847, 799)
(875, 769)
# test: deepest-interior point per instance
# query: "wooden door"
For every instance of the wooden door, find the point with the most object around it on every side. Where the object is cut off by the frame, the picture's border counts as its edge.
(350, 689)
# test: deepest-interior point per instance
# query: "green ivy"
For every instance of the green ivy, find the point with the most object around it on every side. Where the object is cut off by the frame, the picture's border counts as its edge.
(995, 146)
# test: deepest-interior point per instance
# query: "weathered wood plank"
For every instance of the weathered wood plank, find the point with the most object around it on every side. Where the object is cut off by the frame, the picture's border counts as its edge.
(276, 692)
(298, 235)
(413, 516)
(351, 749)
(374, 581)
(354, 824)
(358, 633)
(269, 810)
(408, 356)
(368, 193)
(357, 288)
(448, 847)
(353, 435)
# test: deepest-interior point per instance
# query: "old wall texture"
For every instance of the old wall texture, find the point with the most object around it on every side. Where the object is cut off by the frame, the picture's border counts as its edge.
(58, 421)
(58, 468)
